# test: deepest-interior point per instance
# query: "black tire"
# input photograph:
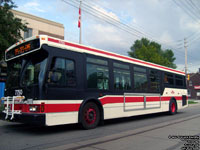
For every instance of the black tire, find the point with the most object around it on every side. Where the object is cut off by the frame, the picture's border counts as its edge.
(90, 116)
(172, 107)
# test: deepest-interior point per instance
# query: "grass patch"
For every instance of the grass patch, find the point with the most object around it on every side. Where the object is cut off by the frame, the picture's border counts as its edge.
(192, 102)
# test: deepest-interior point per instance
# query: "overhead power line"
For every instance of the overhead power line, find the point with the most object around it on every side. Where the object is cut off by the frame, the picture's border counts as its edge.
(120, 25)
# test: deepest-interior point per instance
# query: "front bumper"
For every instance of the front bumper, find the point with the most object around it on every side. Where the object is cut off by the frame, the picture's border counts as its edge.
(28, 118)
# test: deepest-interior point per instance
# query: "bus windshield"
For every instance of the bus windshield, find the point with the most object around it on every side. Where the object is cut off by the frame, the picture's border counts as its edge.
(27, 71)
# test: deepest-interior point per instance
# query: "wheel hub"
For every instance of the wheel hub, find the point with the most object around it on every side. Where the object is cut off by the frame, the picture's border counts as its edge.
(90, 116)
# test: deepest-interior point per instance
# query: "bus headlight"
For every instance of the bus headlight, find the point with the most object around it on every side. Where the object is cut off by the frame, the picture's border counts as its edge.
(34, 108)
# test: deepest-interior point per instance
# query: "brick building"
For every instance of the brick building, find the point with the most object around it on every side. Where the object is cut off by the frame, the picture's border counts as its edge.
(193, 86)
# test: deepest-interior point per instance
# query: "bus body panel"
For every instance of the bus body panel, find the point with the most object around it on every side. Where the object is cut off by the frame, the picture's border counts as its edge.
(61, 104)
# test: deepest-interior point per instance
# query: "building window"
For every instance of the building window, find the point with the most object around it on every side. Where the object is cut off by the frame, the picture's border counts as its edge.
(140, 79)
(28, 33)
(97, 74)
(198, 93)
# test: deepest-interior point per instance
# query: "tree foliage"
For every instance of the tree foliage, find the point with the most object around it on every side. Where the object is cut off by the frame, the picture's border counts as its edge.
(151, 51)
(10, 26)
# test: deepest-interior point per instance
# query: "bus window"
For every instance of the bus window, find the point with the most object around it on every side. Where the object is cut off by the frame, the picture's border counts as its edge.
(168, 79)
(140, 79)
(33, 72)
(97, 75)
(97, 61)
(122, 79)
(122, 66)
(178, 80)
(154, 77)
(70, 73)
(62, 73)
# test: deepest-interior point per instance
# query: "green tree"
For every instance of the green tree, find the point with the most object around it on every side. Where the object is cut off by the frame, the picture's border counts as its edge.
(10, 26)
(151, 51)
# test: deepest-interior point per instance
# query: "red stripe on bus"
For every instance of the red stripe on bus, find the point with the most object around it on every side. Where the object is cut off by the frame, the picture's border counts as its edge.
(50, 108)
(111, 54)
(153, 99)
(111, 100)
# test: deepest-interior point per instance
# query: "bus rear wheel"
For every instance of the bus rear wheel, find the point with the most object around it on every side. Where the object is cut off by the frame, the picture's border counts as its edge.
(172, 107)
(90, 116)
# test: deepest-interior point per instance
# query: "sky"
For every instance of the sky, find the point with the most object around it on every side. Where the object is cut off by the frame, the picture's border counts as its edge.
(167, 22)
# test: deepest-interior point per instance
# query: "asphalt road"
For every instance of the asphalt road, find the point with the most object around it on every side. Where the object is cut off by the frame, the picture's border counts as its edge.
(15, 136)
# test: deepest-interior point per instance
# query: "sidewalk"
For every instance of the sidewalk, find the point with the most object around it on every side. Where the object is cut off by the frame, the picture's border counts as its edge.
(164, 136)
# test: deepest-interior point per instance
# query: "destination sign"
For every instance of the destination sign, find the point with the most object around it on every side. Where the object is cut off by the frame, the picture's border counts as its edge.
(23, 49)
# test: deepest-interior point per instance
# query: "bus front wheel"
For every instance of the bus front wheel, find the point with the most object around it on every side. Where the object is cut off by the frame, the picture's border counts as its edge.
(90, 116)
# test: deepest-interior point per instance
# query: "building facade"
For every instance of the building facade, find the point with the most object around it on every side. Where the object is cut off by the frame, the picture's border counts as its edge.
(193, 86)
(38, 26)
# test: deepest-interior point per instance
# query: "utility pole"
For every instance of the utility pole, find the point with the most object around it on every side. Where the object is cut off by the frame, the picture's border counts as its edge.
(80, 23)
(185, 45)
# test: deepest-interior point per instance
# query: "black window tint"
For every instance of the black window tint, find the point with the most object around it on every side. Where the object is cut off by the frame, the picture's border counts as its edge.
(140, 82)
(62, 73)
(122, 66)
(154, 81)
(97, 61)
(168, 79)
(57, 73)
(59, 63)
(178, 77)
(140, 69)
(179, 80)
(70, 73)
(140, 79)
(97, 77)
(122, 79)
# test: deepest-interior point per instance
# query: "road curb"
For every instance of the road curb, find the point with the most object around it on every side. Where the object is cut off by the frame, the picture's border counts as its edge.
(87, 143)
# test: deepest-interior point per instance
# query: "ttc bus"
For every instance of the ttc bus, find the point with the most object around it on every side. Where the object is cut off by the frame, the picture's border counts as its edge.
(53, 82)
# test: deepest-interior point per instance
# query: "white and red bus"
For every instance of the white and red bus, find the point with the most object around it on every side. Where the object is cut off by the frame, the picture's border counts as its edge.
(53, 82)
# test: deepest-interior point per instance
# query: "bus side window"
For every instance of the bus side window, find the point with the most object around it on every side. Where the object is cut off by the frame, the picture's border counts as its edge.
(168, 79)
(57, 72)
(62, 72)
(140, 79)
(122, 79)
(154, 78)
(70, 73)
(179, 81)
(97, 74)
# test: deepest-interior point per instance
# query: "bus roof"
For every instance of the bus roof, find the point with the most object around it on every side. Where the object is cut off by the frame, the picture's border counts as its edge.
(51, 41)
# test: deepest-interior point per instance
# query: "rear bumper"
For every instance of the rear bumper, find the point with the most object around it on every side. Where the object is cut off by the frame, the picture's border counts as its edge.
(28, 118)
